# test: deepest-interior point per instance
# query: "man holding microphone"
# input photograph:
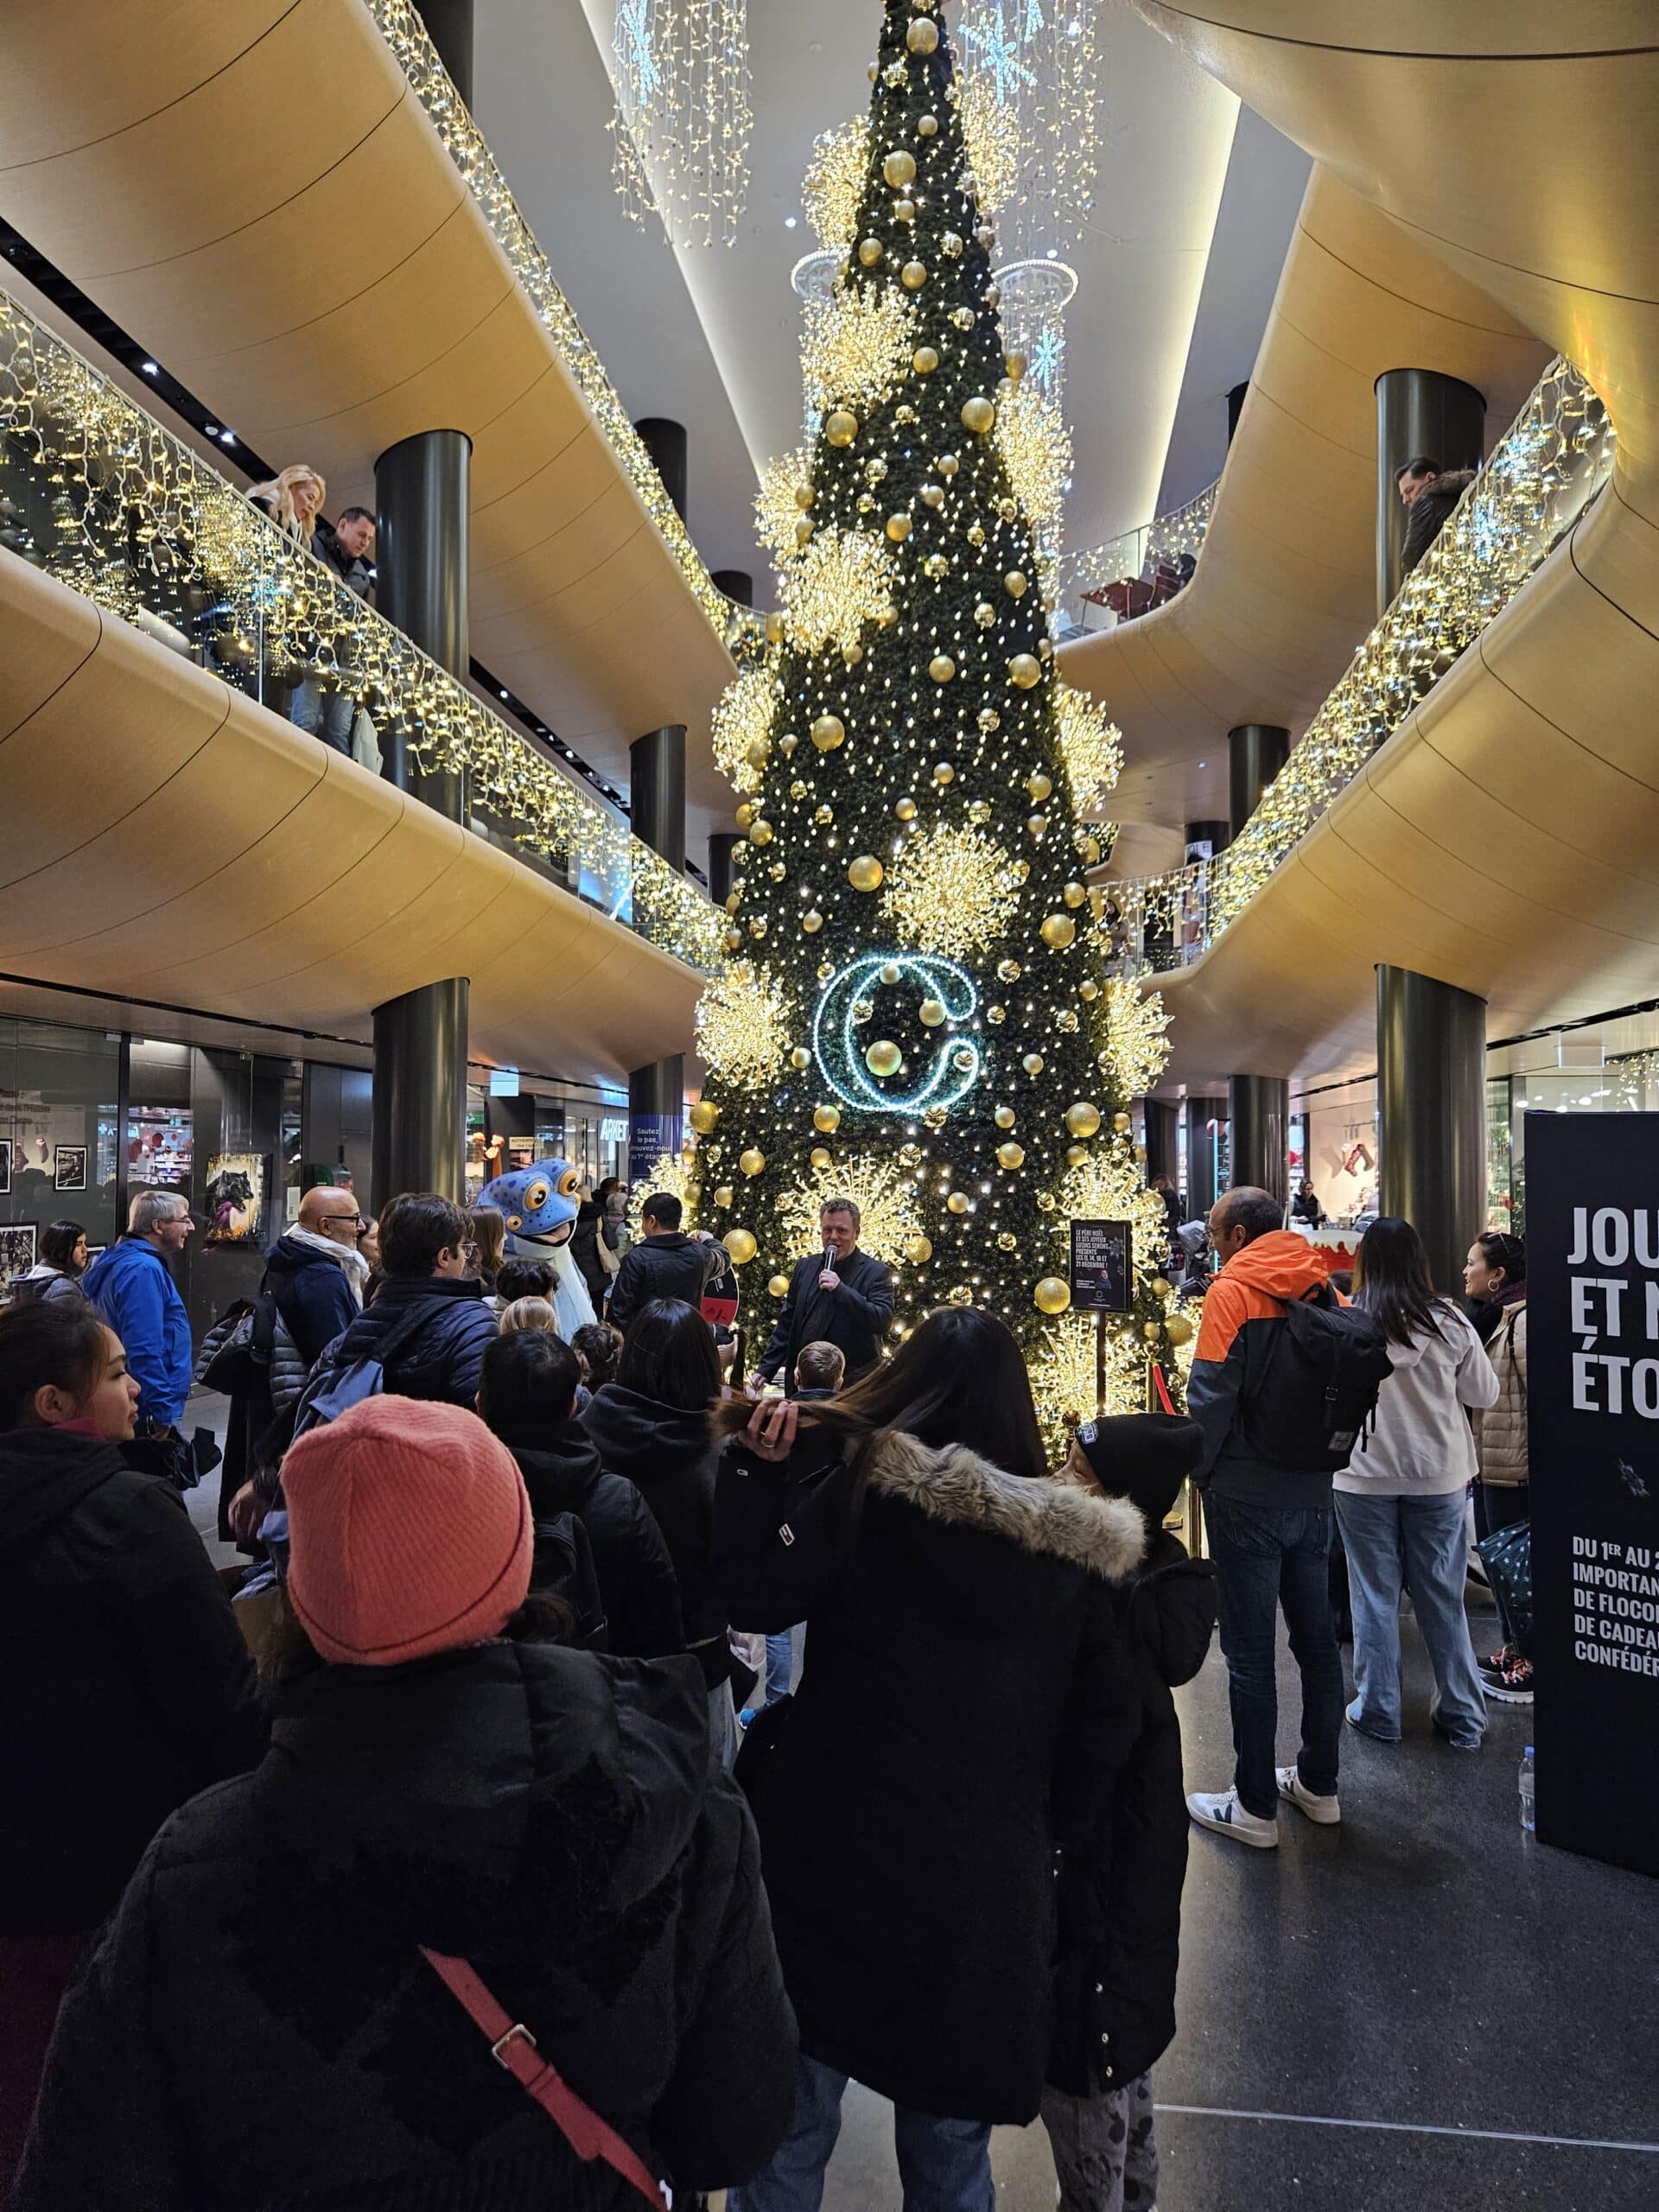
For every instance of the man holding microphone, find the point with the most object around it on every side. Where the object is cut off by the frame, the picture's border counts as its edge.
(839, 1296)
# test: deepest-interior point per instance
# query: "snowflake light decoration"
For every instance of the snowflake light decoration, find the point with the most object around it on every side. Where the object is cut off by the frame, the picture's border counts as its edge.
(950, 890)
(742, 1023)
(840, 581)
(887, 1199)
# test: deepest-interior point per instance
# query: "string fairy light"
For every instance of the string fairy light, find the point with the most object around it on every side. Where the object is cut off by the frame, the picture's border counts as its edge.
(1037, 63)
(683, 123)
(834, 184)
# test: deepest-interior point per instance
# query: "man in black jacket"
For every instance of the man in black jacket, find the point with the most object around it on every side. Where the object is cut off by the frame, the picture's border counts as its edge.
(837, 1296)
(439, 1311)
(665, 1263)
(527, 1395)
(315, 1272)
(1428, 493)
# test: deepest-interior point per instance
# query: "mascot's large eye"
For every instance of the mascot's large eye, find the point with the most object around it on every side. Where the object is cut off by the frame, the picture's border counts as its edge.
(569, 1182)
(536, 1198)
(514, 1221)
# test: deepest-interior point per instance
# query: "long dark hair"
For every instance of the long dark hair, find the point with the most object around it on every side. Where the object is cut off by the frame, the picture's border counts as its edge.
(58, 1341)
(669, 1356)
(957, 1379)
(1392, 1281)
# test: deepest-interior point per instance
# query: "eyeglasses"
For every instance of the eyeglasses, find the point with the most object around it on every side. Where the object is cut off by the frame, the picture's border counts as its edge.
(356, 1219)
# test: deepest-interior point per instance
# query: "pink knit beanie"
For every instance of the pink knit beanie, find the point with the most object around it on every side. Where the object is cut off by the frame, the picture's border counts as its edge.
(408, 1532)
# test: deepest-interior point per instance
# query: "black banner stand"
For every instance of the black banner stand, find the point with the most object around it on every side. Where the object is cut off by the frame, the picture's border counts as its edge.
(1592, 1388)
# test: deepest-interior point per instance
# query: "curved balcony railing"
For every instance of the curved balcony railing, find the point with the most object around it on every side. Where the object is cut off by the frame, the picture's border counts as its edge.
(94, 492)
(1536, 482)
(1135, 555)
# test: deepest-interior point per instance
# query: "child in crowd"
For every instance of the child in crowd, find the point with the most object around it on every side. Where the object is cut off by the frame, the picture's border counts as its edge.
(1120, 1897)
(820, 1371)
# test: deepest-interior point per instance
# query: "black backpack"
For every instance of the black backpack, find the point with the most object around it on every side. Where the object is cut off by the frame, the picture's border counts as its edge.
(1306, 1407)
(562, 1567)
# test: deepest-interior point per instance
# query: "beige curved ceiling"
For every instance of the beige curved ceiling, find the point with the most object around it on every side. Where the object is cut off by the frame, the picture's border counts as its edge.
(1287, 582)
(1504, 839)
(166, 838)
(250, 187)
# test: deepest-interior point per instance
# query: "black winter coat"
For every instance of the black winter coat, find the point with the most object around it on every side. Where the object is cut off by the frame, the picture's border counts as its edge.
(668, 1457)
(855, 1318)
(442, 1358)
(584, 1251)
(963, 1705)
(1120, 1892)
(128, 1686)
(313, 1293)
(257, 2029)
(670, 1266)
(561, 1467)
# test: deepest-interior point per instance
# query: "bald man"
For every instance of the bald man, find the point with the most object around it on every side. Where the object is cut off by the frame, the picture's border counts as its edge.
(316, 1273)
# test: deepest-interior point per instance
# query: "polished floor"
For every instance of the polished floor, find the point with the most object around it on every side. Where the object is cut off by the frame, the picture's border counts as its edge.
(1423, 2008)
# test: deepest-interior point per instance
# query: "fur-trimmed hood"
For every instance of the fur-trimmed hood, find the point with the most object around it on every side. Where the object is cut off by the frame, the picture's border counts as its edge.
(1104, 1537)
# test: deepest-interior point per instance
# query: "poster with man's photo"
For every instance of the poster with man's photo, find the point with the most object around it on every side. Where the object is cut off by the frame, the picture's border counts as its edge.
(69, 1167)
(1101, 1282)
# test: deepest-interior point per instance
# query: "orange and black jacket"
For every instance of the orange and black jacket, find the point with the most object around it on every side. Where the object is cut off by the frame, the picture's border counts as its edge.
(1243, 1310)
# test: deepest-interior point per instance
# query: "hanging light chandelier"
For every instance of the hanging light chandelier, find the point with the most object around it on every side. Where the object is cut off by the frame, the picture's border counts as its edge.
(683, 122)
(1037, 63)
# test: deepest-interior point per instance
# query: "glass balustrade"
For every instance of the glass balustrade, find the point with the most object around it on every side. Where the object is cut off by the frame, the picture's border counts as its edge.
(95, 493)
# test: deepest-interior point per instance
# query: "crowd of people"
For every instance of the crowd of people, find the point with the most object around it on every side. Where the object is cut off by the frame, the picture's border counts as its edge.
(504, 1784)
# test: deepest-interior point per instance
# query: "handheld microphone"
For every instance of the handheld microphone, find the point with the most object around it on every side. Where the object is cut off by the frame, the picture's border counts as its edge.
(830, 1259)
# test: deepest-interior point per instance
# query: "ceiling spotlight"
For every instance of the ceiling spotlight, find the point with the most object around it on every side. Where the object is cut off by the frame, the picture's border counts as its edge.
(504, 694)
(152, 369)
(227, 437)
(789, 222)
(212, 428)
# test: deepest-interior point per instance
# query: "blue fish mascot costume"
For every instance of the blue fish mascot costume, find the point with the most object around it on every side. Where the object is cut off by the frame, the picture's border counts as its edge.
(540, 1204)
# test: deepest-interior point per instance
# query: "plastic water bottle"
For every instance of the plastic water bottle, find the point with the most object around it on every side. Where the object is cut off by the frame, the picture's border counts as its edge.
(1527, 1771)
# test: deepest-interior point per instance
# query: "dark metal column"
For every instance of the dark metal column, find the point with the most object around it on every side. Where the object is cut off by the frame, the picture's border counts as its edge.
(1236, 399)
(655, 1109)
(1431, 1106)
(722, 847)
(1419, 413)
(657, 791)
(665, 442)
(1259, 1108)
(737, 584)
(449, 26)
(420, 1092)
(1257, 751)
(1201, 1191)
(1162, 1158)
(1218, 834)
(422, 487)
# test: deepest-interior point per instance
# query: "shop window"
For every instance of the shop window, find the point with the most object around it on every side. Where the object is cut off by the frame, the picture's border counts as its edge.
(59, 1115)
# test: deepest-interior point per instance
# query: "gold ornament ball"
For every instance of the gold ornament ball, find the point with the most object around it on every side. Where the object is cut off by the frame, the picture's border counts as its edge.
(732, 940)
(1010, 1155)
(818, 1156)
(897, 528)
(1032, 1064)
(913, 276)
(1076, 1154)
(918, 1251)
(804, 530)
(841, 426)
(828, 732)
(1004, 1117)
(891, 974)
(746, 814)
(952, 245)
(1038, 785)
(996, 1015)
(905, 810)
(751, 1161)
(724, 1195)
(941, 668)
(1015, 583)
(1179, 1329)
(898, 168)
(800, 1056)
(1083, 1118)
(741, 1246)
(923, 35)
(948, 465)
(1149, 1330)
(1058, 931)
(931, 1013)
(1088, 989)
(927, 126)
(904, 211)
(925, 360)
(985, 614)
(1074, 894)
(932, 495)
(883, 1057)
(826, 1119)
(943, 772)
(936, 566)
(869, 251)
(1015, 365)
(812, 921)
(703, 1116)
(1007, 971)
(866, 873)
(779, 1287)
(1122, 1123)
(978, 415)
(1160, 1286)
(774, 629)
(958, 1201)
(1037, 824)
(1051, 1296)
(1025, 670)
(760, 833)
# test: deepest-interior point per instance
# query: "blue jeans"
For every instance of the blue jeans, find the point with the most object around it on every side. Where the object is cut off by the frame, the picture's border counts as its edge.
(1266, 1556)
(780, 1665)
(1418, 1543)
(943, 2164)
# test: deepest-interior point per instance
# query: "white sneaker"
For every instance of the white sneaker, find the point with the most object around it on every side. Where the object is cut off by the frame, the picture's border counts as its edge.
(1325, 1811)
(1221, 1810)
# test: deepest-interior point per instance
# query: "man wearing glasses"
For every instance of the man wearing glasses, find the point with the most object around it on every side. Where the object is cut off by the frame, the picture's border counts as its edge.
(316, 1273)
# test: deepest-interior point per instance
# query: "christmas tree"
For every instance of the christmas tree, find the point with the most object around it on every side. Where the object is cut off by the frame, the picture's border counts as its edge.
(916, 1009)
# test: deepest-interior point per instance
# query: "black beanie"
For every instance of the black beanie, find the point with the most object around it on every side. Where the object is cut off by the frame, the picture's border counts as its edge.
(1142, 1457)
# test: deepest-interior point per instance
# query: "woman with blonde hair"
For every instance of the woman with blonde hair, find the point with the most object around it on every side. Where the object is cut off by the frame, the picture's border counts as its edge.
(524, 1314)
(293, 500)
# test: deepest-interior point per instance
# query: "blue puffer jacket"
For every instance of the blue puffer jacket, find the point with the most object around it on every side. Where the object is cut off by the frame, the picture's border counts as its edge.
(131, 1289)
(442, 1357)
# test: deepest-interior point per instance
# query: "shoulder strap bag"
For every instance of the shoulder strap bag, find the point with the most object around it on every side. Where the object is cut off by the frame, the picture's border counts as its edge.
(513, 2047)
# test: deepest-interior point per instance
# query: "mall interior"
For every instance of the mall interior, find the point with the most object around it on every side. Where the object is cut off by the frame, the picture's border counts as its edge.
(492, 845)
